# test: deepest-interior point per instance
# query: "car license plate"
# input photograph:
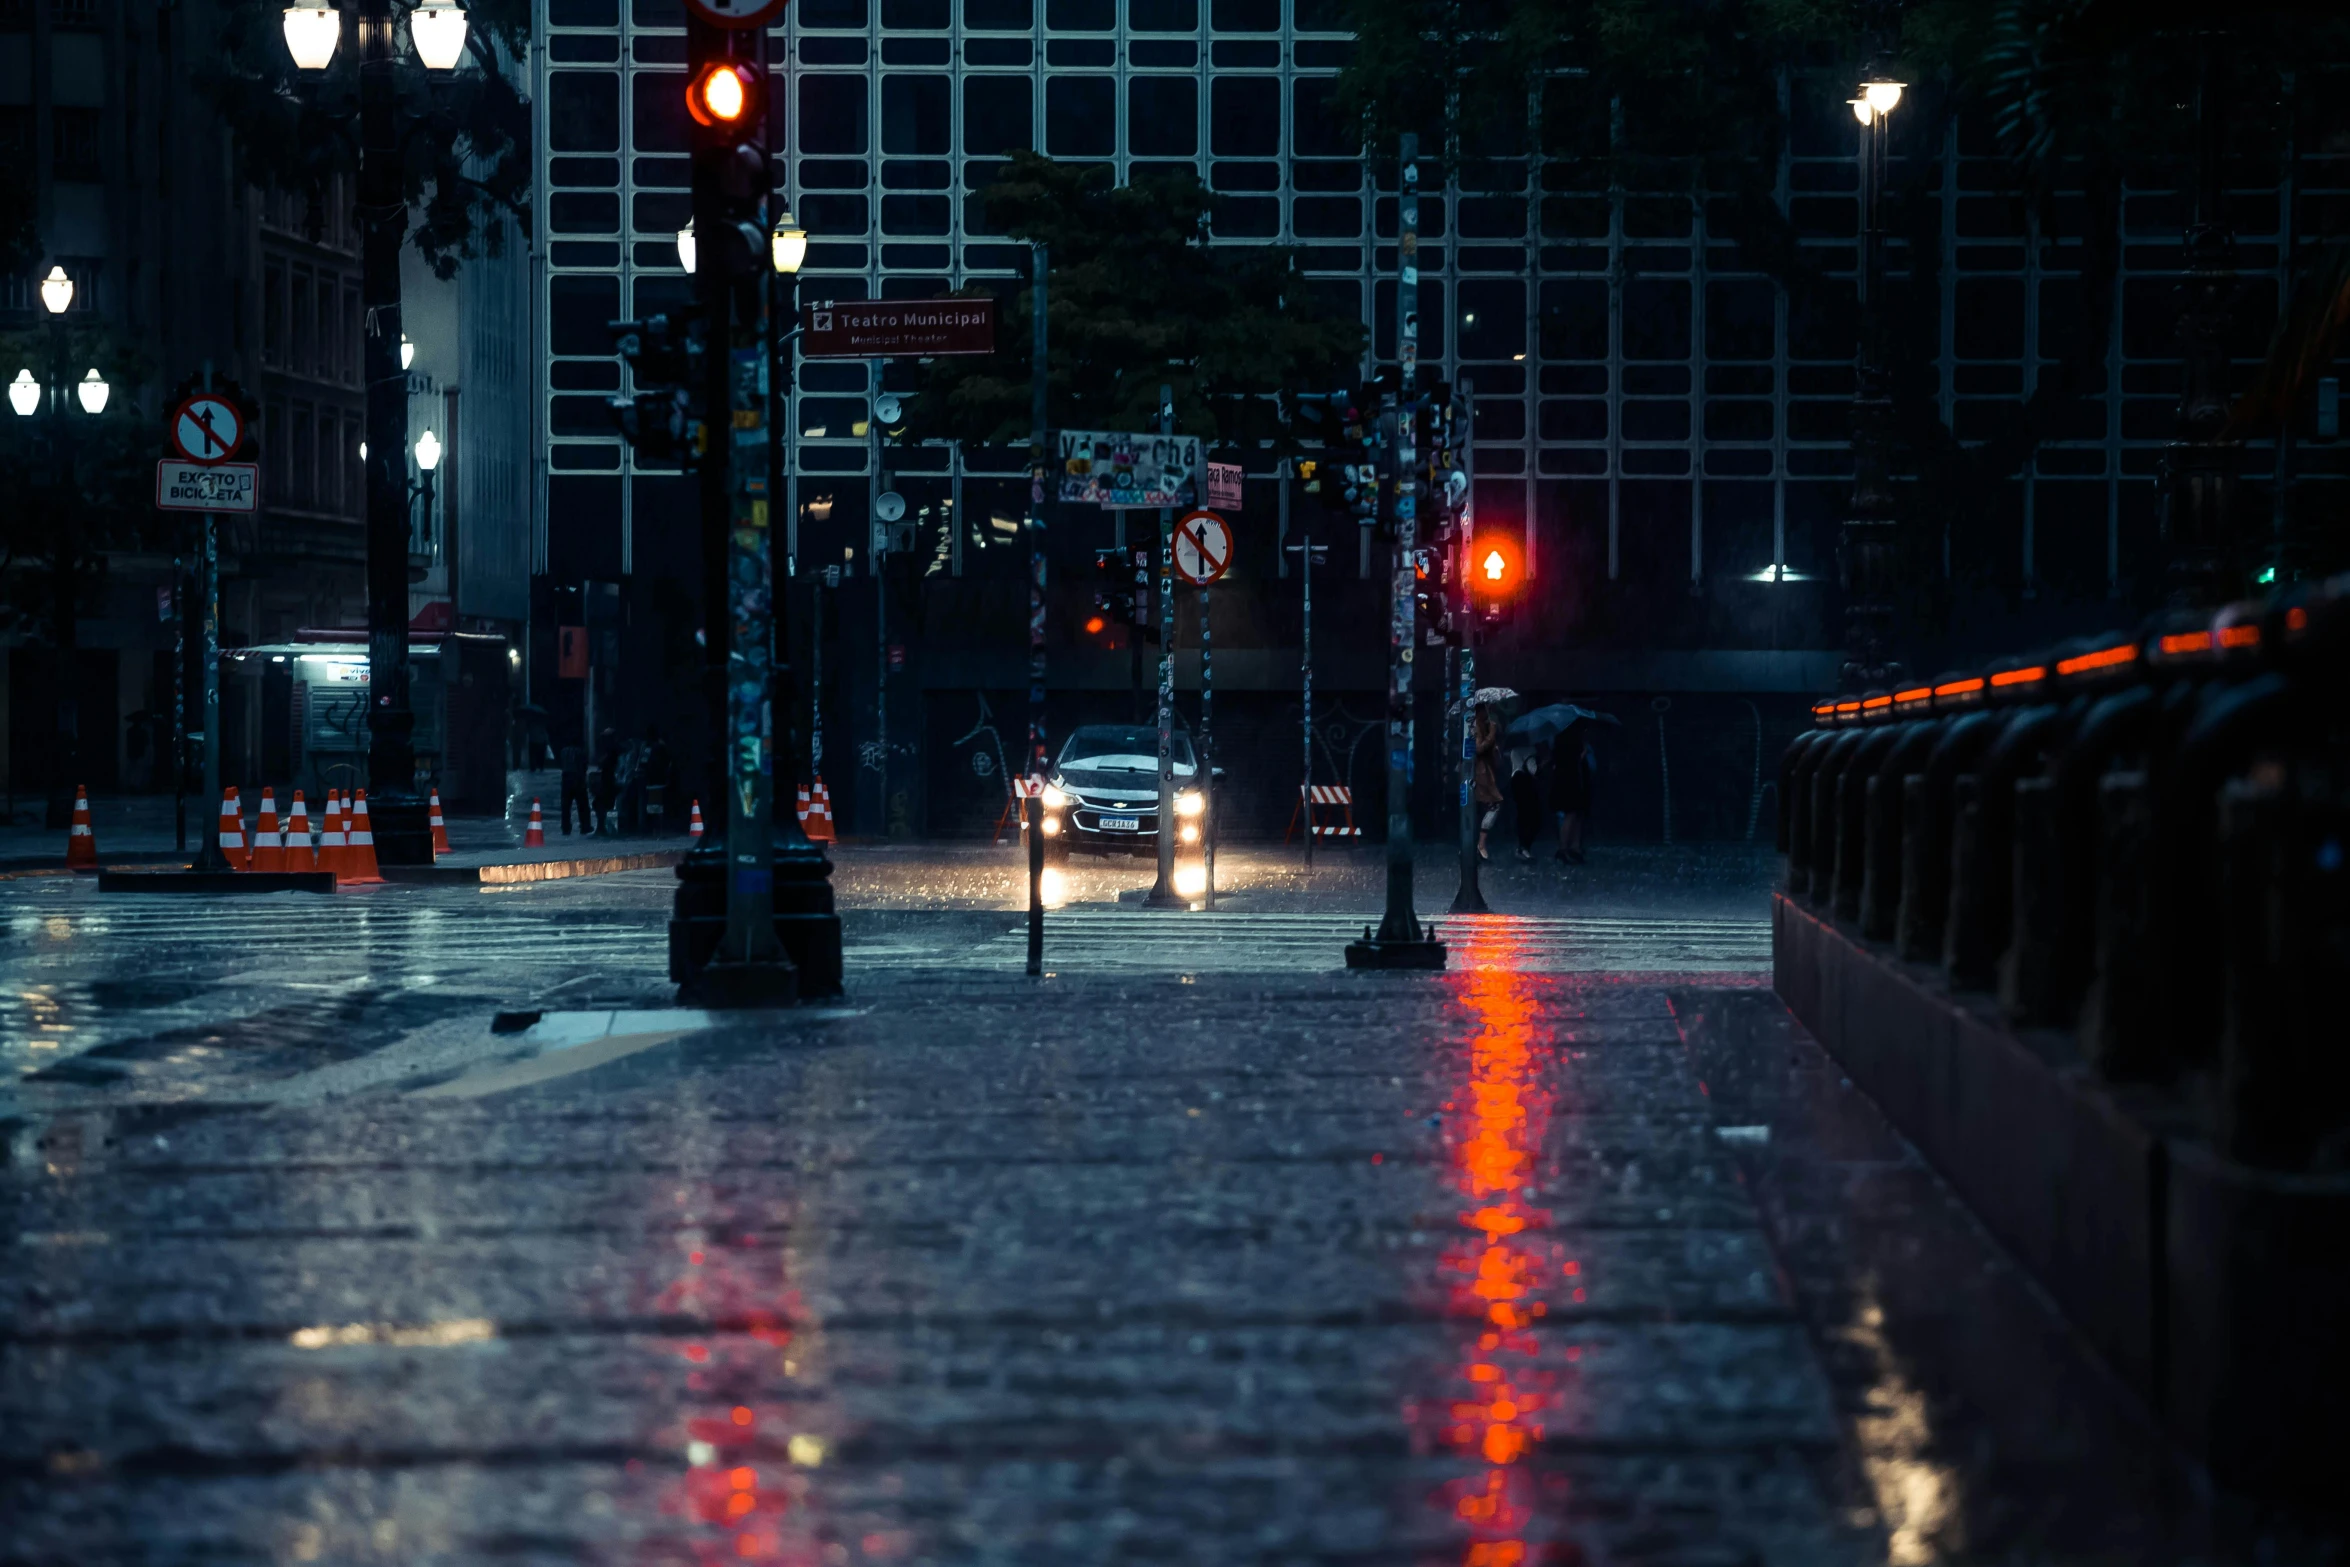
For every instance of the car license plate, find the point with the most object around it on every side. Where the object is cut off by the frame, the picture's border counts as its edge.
(1121, 824)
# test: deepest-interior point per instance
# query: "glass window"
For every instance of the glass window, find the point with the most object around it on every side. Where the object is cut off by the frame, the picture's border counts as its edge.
(583, 111)
(583, 212)
(916, 116)
(1081, 16)
(1162, 116)
(1493, 318)
(1656, 318)
(1080, 116)
(914, 214)
(998, 114)
(1327, 217)
(1739, 319)
(273, 312)
(832, 13)
(834, 214)
(659, 110)
(1247, 117)
(922, 16)
(1122, 748)
(832, 114)
(579, 313)
(1322, 132)
(1163, 16)
(1574, 318)
(1248, 16)
(1003, 16)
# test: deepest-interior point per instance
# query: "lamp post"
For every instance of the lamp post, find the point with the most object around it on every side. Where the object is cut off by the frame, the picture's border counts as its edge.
(428, 458)
(26, 397)
(1869, 525)
(437, 31)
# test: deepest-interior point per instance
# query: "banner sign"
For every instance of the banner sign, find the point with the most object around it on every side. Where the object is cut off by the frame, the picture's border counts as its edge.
(1107, 468)
(898, 328)
(1224, 485)
(227, 486)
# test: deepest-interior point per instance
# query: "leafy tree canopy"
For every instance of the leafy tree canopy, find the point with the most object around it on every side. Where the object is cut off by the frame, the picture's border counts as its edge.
(465, 136)
(1138, 299)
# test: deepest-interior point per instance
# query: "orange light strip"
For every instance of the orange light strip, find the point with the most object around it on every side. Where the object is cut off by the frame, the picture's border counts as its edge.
(1847, 707)
(2103, 658)
(2186, 642)
(1914, 694)
(2239, 636)
(1960, 687)
(2020, 677)
(1823, 710)
(1872, 703)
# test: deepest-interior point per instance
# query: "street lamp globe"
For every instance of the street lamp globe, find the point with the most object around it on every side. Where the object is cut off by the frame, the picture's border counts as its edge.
(407, 351)
(56, 291)
(437, 28)
(428, 451)
(312, 31)
(1861, 110)
(1883, 94)
(685, 247)
(24, 394)
(93, 392)
(788, 245)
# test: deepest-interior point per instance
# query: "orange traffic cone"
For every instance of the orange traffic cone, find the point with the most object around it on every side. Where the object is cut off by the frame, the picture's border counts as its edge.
(269, 849)
(330, 838)
(232, 831)
(694, 823)
(440, 829)
(81, 845)
(535, 836)
(816, 814)
(297, 853)
(359, 844)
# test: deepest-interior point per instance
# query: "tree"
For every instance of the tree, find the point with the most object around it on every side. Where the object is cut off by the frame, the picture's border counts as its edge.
(1138, 299)
(80, 486)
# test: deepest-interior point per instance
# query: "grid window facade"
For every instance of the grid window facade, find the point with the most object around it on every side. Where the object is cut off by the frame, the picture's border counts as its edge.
(1652, 409)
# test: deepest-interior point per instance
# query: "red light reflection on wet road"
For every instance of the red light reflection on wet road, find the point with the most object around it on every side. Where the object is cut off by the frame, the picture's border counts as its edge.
(1503, 1262)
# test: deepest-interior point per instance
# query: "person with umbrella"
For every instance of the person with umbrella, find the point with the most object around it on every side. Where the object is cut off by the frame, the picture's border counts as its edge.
(1487, 733)
(1566, 780)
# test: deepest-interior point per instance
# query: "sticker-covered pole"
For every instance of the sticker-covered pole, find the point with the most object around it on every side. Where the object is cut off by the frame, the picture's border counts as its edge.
(1162, 893)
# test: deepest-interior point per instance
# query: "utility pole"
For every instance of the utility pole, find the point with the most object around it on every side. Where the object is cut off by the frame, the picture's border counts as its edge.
(1162, 894)
(1870, 526)
(1401, 941)
(208, 855)
(1039, 414)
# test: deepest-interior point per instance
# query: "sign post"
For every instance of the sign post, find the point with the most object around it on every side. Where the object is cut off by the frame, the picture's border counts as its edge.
(208, 429)
(1203, 553)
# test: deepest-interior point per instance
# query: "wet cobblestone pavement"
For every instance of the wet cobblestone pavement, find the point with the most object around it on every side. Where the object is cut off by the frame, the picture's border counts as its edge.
(1577, 1254)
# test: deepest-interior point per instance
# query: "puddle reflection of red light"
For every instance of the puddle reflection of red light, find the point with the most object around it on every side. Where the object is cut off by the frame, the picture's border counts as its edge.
(1497, 1268)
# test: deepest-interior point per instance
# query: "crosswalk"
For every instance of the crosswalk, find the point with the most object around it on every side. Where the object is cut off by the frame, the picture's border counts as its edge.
(1262, 941)
(325, 933)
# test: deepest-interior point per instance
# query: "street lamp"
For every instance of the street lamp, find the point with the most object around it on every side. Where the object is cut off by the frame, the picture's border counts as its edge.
(428, 451)
(93, 391)
(1869, 525)
(428, 458)
(437, 33)
(788, 246)
(685, 247)
(56, 291)
(24, 394)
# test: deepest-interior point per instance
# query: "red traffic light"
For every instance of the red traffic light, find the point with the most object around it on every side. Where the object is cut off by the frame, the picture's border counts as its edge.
(1495, 568)
(723, 92)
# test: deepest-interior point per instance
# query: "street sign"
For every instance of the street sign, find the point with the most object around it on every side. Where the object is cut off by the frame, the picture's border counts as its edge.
(1203, 548)
(739, 15)
(898, 328)
(192, 486)
(1224, 485)
(1113, 469)
(207, 428)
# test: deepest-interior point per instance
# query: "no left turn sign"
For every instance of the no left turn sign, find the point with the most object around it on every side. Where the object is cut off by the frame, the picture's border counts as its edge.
(207, 428)
(1203, 547)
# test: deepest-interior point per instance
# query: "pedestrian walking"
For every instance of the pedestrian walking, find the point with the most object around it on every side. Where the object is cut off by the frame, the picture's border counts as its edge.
(575, 789)
(1487, 735)
(1526, 798)
(1572, 764)
(604, 782)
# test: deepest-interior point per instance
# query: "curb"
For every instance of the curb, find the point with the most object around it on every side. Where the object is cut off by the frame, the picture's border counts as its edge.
(216, 881)
(529, 871)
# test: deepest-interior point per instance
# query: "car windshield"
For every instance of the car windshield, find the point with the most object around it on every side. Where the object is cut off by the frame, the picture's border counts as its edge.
(1115, 748)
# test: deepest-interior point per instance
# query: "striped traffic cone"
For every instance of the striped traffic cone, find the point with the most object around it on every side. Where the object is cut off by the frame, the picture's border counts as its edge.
(359, 844)
(330, 838)
(269, 849)
(232, 831)
(440, 829)
(297, 853)
(535, 835)
(81, 844)
(693, 823)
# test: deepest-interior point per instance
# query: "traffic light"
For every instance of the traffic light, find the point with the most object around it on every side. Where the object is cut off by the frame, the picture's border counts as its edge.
(1113, 594)
(729, 97)
(726, 94)
(1496, 573)
(664, 357)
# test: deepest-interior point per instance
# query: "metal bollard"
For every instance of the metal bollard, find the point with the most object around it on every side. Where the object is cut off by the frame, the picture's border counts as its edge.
(2028, 969)
(1964, 961)
(1880, 877)
(1035, 884)
(2121, 1032)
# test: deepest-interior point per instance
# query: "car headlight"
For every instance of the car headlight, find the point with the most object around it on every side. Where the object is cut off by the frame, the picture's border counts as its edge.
(1054, 799)
(1190, 803)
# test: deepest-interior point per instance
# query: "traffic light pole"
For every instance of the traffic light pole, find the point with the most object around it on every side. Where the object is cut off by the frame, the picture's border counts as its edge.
(731, 176)
(1162, 894)
(1470, 899)
(1401, 941)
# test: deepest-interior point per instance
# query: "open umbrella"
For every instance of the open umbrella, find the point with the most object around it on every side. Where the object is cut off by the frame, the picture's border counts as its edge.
(1547, 723)
(1487, 694)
